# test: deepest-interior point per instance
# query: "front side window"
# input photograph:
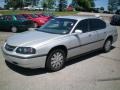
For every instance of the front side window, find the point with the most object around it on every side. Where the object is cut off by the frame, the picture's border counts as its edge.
(58, 26)
(9, 18)
(96, 24)
(20, 17)
(82, 25)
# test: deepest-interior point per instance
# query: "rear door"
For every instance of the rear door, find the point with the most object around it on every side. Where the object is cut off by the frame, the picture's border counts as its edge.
(100, 27)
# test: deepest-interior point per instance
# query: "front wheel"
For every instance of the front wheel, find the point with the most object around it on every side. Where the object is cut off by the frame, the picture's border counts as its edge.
(14, 29)
(55, 60)
(107, 45)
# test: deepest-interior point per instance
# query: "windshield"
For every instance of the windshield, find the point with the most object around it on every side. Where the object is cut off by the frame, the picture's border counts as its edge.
(58, 26)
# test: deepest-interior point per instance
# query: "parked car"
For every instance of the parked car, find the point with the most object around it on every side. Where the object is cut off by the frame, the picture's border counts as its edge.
(37, 8)
(14, 23)
(46, 15)
(117, 12)
(38, 21)
(27, 8)
(58, 40)
(115, 20)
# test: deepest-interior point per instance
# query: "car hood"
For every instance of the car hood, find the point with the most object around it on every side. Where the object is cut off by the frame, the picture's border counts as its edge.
(30, 38)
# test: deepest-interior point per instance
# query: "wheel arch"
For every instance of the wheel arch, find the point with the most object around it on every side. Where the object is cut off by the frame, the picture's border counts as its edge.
(64, 48)
(109, 37)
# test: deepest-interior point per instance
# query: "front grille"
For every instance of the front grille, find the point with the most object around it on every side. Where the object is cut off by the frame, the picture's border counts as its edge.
(9, 47)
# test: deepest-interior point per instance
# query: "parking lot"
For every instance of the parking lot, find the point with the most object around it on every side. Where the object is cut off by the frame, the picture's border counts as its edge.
(96, 71)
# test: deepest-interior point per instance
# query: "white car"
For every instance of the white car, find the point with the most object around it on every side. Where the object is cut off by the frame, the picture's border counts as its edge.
(35, 8)
(58, 40)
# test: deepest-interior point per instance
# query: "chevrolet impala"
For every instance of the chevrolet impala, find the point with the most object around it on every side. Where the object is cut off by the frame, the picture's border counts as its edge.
(59, 40)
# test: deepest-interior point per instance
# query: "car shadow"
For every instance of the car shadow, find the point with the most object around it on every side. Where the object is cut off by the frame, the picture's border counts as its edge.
(26, 71)
(32, 72)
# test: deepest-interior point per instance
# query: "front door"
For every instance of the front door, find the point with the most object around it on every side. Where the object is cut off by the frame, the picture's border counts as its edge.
(87, 39)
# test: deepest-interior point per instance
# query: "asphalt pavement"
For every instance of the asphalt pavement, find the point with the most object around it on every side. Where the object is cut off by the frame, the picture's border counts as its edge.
(96, 71)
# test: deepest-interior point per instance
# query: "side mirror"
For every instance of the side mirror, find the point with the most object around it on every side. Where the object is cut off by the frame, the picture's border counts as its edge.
(78, 31)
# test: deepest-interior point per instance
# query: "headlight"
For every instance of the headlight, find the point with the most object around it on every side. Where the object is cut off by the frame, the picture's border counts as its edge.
(25, 50)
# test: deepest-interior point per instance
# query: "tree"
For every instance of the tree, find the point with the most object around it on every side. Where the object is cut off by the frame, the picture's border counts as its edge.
(44, 6)
(48, 4)
(62, 5)
(14, 3)
(86, 4)
(92, 2)
(113, 5)
(102, 8)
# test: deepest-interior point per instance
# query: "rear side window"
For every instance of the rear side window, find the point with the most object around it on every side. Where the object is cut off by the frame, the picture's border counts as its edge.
(83, 25)
(96, 24)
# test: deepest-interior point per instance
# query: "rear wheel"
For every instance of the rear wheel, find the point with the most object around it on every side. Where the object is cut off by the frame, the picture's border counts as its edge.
(107, 45)
(55, 60)
(14, 29)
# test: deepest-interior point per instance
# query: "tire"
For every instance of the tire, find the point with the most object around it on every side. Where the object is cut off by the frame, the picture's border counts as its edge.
(14, 29)
(55, 60)
(107, 46)
(35, 25)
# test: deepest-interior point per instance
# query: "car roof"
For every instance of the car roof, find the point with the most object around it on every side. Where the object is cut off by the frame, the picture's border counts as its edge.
(77, 17)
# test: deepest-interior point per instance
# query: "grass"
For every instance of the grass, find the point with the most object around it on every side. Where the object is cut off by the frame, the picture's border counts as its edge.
(5, 12)
(65, 13)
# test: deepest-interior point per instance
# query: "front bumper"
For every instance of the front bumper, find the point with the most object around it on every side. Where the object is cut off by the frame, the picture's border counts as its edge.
(33, 62)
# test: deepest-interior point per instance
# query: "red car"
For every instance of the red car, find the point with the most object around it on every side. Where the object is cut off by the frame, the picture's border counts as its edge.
(45, 16)
(38, 21)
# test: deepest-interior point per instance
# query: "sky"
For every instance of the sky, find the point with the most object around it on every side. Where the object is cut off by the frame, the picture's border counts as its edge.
(101, 3)
(98, 3)
(2, 3)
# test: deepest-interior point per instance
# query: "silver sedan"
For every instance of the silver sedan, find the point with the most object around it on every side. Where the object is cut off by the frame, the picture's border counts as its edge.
(58, 40)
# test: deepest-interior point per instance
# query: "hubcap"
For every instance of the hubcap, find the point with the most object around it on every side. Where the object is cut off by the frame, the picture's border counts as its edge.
(57, 60)
(108, 45)
(14, 29)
